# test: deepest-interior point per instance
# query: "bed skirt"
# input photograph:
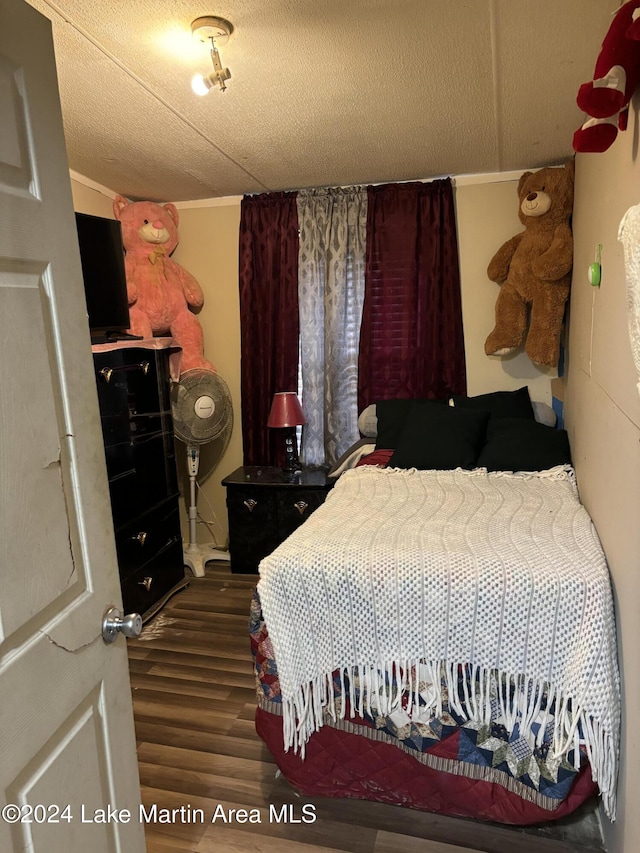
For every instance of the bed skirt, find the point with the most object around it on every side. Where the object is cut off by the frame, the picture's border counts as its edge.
(342, 763)
(450, 768)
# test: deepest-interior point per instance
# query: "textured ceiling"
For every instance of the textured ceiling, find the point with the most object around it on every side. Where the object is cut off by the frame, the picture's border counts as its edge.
(322, 93)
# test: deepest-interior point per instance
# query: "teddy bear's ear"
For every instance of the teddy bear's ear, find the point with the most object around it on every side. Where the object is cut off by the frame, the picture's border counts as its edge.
(172, 210)
(522, 180)
(119, 204)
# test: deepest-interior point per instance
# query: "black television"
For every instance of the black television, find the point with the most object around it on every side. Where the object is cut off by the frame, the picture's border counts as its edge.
(105, 280)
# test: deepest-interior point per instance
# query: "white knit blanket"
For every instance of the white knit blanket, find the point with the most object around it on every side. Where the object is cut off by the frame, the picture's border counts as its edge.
(504, 572)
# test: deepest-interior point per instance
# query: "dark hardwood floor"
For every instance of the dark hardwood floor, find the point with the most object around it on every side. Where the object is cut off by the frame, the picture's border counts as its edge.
(194, 700)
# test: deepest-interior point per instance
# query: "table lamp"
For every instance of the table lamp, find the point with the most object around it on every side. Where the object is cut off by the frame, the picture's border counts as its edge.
(286, 414)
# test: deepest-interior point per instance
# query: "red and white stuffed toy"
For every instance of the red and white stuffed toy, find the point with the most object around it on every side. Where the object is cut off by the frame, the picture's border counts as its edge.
(617, 74)
(161, 292)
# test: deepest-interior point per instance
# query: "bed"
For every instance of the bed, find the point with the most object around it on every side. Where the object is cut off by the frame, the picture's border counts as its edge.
(440, 633)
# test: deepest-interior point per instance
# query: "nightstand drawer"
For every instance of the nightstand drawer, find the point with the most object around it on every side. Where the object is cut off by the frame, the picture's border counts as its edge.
(253, 519)
(295, 507)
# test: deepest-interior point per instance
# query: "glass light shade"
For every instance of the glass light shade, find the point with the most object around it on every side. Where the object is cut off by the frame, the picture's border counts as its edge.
(200, 84)
(286, 410)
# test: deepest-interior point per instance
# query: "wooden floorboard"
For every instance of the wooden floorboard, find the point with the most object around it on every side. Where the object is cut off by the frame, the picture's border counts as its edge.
(193, 692)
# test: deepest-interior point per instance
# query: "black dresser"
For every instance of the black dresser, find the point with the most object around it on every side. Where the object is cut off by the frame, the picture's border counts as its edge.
(135, 410)
(264, 506)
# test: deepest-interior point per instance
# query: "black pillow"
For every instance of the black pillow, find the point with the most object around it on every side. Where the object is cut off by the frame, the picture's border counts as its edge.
(391, 416)
(440, 437)
(515, 444)
(500, 404)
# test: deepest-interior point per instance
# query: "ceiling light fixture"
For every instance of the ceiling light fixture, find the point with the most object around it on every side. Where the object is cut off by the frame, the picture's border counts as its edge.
(215, 31)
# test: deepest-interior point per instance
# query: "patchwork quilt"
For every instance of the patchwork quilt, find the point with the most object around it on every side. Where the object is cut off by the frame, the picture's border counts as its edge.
(447, 740)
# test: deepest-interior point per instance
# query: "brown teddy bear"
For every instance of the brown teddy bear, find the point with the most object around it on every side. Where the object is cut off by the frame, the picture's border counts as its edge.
(160, 290)
(534, 268)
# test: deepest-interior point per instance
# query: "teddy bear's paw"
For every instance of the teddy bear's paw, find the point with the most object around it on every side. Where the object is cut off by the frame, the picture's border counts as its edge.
(606, 95)
(495, 345)
(543, 353)
(596, 135)
(195, 361)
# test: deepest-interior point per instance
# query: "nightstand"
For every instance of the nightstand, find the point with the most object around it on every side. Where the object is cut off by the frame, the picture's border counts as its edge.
(264, 506)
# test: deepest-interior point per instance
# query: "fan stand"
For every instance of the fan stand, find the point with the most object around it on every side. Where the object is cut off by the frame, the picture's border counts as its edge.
(196, 556)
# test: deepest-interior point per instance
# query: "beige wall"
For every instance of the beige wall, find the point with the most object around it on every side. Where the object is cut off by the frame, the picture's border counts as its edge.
(208, 248)
(94, 200)
(602, 409)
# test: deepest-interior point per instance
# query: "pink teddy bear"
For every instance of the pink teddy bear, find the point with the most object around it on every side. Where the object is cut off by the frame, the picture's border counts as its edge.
(160, 291)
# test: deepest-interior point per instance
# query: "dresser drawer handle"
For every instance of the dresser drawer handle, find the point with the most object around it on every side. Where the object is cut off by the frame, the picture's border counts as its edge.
(301, 506)
(250, 504)
(146, 583)
(140, 537)
(107, 372)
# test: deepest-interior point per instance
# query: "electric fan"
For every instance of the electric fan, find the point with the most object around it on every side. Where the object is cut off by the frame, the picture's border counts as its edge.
(202, 413)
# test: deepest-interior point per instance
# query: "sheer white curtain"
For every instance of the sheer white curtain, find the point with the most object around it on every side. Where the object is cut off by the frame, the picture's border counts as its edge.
(331, 265)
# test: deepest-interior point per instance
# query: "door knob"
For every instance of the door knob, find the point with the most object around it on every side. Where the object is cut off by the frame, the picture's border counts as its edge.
(113, 623)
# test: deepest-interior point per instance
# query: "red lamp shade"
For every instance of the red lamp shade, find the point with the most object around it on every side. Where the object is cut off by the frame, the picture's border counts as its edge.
(286, 410)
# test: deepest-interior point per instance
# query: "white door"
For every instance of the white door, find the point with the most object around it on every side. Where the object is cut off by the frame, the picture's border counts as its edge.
(67, 746)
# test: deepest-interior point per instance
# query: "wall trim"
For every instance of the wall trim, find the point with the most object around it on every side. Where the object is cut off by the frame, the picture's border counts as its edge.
(457, 180)
(223, 201)
(231, 200)
(487, 178)
(92, 185)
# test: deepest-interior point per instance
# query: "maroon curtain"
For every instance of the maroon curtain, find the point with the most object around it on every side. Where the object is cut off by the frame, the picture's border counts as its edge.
(411, 341)
(269, 325)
